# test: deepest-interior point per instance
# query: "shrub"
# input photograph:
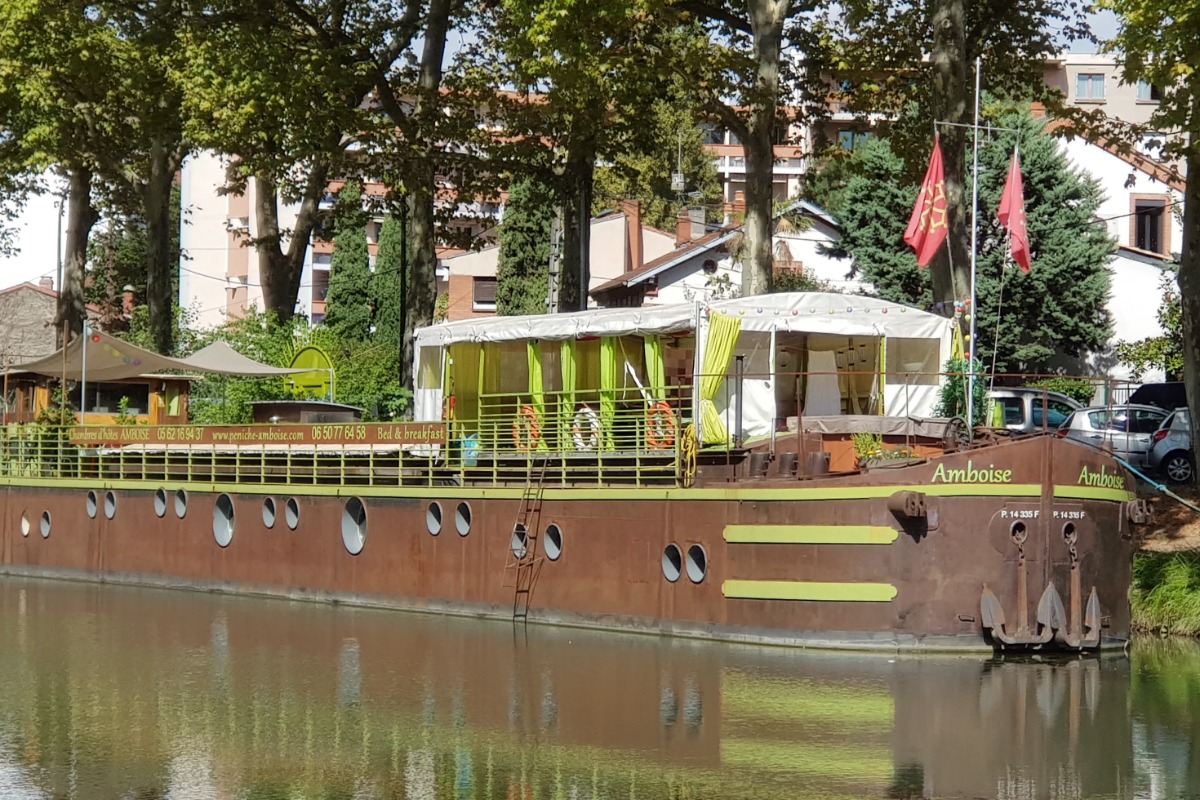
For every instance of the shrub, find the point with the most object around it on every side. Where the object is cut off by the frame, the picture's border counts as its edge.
(1080, 390)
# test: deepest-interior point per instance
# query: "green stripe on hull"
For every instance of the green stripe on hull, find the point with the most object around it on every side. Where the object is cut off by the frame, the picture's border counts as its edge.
(807, 590)
(810, 534)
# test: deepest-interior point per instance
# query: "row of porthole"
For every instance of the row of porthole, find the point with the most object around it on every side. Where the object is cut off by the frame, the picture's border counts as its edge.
(674, 564)
(43, 525)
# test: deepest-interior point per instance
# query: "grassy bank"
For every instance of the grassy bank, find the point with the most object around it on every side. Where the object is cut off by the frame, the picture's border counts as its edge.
(1166, 593)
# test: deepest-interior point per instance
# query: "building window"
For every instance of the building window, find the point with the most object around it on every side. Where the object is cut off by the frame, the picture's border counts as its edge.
(1148, 93)
(105, 398)
(1150, 224)
(1089, 86)
(320, 284)
(323, 260)
(852, 140)
(483, 294)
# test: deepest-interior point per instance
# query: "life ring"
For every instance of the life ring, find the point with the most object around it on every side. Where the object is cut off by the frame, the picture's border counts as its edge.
(586, 430)
(660, 426)
(525, 429)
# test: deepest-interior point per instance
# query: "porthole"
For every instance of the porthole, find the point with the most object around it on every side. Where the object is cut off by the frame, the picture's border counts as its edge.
(672, 562)
(462, 519)
(93, 505)
(44, 526)
(553, 542)
(291, 513)
(354, 526)
(520, 540)
(269, 512)
(25, 526)
(181, 503)
(110, 505)
(697, 563)
(223, 520)
(433, 519)
(160, 503)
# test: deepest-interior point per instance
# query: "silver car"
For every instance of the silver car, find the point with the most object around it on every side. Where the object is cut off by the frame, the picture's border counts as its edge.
(1024, 410)
(1127, 430)
(1171, 451)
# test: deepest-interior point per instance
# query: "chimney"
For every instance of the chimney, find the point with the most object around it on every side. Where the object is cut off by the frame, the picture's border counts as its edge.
(635, 257)
(46, 283)
(683, 228)
(1037, 110)
(696, 215)
(130, 302)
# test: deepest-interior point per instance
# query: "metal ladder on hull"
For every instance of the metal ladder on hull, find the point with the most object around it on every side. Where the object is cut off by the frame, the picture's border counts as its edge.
(523, 558)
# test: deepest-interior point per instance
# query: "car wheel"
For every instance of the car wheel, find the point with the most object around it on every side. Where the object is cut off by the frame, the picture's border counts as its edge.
(1178, 467)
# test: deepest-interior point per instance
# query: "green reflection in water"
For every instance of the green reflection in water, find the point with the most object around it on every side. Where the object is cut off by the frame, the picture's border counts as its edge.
(112, 692)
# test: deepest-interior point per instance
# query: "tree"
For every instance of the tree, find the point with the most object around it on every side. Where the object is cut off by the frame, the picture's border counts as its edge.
(522, 273)
(348, 304)
(643, 171)
(1160, 42)
(738, 73)
(390, 279)
(1023, 320)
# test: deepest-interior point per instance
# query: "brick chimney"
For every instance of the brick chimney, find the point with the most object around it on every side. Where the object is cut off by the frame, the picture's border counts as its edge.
(635, 255)
(1037, 110)
(683, 228)
(46, 283)
(130, 301)
(696, 215)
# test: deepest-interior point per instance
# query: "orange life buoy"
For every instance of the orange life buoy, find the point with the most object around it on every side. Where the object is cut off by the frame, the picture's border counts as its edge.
(660, 426)
(526, 431)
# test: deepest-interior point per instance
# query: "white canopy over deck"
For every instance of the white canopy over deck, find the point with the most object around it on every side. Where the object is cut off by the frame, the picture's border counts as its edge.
(859, 354)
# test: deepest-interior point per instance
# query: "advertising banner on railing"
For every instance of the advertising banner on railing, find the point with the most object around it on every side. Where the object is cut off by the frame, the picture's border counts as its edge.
(354, 433)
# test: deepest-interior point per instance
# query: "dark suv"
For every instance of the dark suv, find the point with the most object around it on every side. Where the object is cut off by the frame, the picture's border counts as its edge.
(1164, 395)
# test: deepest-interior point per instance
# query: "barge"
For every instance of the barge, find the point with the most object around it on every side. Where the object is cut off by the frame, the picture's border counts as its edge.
(763, 470)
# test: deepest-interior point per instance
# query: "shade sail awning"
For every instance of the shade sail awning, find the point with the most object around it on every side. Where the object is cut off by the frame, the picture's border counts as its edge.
(222, 359)
(108, 358)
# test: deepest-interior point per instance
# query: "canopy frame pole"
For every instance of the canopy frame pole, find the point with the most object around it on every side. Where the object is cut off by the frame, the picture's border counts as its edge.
(83, 378)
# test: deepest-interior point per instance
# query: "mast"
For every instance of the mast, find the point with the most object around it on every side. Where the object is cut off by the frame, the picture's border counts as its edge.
(971, 353)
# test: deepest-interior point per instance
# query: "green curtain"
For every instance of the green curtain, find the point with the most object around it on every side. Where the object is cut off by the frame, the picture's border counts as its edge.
(656, 375)
(537, 393)
(718, 352)
(608, 389)
(569, 370)
(467, 375)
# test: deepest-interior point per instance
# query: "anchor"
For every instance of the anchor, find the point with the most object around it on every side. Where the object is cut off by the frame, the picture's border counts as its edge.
(1052, 621)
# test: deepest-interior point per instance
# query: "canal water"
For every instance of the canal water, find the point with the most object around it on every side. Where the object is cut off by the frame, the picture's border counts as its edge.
(115, 692)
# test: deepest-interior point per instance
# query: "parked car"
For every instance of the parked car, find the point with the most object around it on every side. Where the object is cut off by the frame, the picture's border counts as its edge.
(1164, 395)
(1025, 411)
(1126, 429)
(1171, 451)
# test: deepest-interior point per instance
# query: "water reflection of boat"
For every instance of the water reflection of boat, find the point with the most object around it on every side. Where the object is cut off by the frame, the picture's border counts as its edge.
(118, 691)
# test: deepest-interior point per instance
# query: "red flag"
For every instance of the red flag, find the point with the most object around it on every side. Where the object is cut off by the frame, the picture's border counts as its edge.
(927, 226)
(1012, 215)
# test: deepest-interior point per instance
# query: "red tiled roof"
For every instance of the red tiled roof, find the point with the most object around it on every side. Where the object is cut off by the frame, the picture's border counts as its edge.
(693, 248)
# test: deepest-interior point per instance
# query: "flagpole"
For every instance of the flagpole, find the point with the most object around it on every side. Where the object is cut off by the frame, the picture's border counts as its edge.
(972, 353)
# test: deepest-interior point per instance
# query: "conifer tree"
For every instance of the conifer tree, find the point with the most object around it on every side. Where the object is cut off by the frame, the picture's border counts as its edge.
(348, 304)
(1057, 309)
(387, 281)
(524, 264)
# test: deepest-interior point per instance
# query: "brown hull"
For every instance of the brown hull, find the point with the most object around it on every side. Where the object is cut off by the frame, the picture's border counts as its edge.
(779, 566)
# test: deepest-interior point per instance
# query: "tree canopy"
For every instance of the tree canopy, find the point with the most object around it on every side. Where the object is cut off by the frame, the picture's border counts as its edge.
(523, 269)
(348, 304)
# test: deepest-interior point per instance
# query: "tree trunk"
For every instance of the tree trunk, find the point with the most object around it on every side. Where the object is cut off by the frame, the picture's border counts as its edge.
(950, 269)
(421, 187)
(156, 201)
(280, 272)
(81, 217)
(575, 274)
(766, 21)
(1189, 289)
(757, 265)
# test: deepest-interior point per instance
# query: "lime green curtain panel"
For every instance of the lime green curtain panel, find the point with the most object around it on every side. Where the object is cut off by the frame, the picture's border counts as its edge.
(467, 377)
(537, 392)
(569, 373)
(718, 352)
(656, 375)
(608, 388)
